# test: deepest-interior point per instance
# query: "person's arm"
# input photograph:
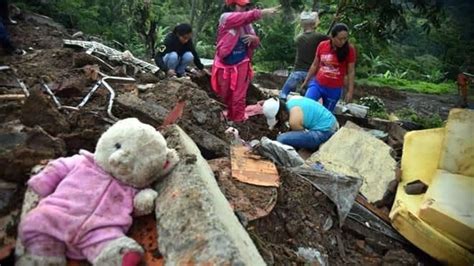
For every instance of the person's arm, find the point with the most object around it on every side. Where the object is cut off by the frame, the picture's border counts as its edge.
(238, 19)
(163, 49)
(312, 71)
(350, 82)
(197, 60)
(296, 119)
(350, 74)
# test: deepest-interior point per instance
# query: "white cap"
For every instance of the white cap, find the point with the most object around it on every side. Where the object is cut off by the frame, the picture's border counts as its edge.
(309, 16)
(270, 110)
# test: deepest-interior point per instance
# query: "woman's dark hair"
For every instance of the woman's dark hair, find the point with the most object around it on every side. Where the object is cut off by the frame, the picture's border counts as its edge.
(231, 8)
(182, 29)
(341, 52)
(228, 8)
(282, 115)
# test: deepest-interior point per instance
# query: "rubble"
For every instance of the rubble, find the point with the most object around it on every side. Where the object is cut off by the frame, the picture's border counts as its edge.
(353, 152)
(128, 105)
(23, 148)
(195, 222)
(39, 110)
(279, 221)
(249, 201)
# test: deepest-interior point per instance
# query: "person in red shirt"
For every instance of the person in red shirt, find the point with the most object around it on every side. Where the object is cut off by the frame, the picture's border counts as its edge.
(335, 58)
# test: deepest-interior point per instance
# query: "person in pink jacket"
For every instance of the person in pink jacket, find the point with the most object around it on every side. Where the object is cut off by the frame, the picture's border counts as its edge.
(232, 68)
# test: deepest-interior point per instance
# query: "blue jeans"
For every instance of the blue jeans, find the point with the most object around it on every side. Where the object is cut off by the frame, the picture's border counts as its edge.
(307, 139)
(5, 39)
(179, 64)
(295, 78)
(330, 95)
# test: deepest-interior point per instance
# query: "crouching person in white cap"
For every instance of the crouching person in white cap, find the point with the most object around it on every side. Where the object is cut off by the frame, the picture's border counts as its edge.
(311, 124)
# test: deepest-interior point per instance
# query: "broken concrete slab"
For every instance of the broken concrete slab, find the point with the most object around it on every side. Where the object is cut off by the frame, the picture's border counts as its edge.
(23, 148)
(39, 110)
(353, 152)
(128, 105)
(196, 224)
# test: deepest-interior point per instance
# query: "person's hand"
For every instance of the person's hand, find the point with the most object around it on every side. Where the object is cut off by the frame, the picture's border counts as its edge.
(271, 11)
(303, 85)
(248, 39)
(348, 98)
(171, 73)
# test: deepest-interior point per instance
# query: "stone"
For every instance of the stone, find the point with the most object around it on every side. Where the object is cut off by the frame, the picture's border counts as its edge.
(356, 153)
(23, 148)
(196, 224)
(39, 110)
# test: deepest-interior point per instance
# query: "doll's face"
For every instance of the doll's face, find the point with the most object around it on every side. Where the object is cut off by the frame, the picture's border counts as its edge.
(133, 152)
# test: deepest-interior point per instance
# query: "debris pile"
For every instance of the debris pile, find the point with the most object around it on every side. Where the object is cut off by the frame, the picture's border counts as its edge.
(73, 99)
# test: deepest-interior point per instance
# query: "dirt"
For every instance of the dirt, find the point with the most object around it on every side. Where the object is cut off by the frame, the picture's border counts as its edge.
(301, 219)
(395, 100)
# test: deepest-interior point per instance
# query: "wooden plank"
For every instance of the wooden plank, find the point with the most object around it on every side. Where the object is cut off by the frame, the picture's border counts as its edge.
(253, 169)
(376, 211)
(13, 97)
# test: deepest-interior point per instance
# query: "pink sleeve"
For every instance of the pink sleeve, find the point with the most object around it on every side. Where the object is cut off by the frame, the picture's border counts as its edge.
(238, 19)
(45, 182)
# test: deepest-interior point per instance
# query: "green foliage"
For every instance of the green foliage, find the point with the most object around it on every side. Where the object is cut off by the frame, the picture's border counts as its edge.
(407, 44)
(408, 85)
(432, 121)
(277, 50)
(374, 103)
(376, 106)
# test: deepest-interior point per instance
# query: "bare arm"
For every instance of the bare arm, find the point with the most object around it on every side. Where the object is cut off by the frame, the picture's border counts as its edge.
(296, 119)
(350, 79)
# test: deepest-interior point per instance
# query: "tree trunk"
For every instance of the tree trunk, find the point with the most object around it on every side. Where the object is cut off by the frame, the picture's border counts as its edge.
(316, 5)
(193, 11)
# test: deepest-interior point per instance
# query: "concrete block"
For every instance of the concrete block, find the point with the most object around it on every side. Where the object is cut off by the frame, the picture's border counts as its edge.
(353, 152)
(196, 224)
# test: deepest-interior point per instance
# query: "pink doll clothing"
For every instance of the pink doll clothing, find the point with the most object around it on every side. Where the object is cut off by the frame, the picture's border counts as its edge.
(81, 210)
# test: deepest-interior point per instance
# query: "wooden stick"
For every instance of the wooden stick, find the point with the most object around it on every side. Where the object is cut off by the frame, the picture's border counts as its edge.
(12, 97)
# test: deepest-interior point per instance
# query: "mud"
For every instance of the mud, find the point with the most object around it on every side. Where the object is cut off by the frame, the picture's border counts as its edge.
(306, 218)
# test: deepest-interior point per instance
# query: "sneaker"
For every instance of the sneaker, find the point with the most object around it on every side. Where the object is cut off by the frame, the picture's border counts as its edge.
(10, 22)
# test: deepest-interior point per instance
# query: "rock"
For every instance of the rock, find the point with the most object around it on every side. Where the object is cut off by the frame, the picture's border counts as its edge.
(78, 34)
(399, 257)
(23, 148)
(151, 113)
(7, 193)
(356, 153)
(39, 110)
(313, 256)
(196, 224)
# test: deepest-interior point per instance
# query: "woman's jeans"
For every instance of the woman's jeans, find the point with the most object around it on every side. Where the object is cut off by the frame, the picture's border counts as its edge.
(295, 79)
(179, 64)
(305, 139)
(330, 96)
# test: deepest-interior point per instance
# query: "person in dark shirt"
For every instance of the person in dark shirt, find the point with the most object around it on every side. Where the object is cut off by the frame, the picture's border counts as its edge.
(177, 51)
(5, 41)
(306, 44)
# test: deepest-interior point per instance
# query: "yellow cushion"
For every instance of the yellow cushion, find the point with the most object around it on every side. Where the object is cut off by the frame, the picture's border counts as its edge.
(421, 153)
(448, 205)
(457, 154)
